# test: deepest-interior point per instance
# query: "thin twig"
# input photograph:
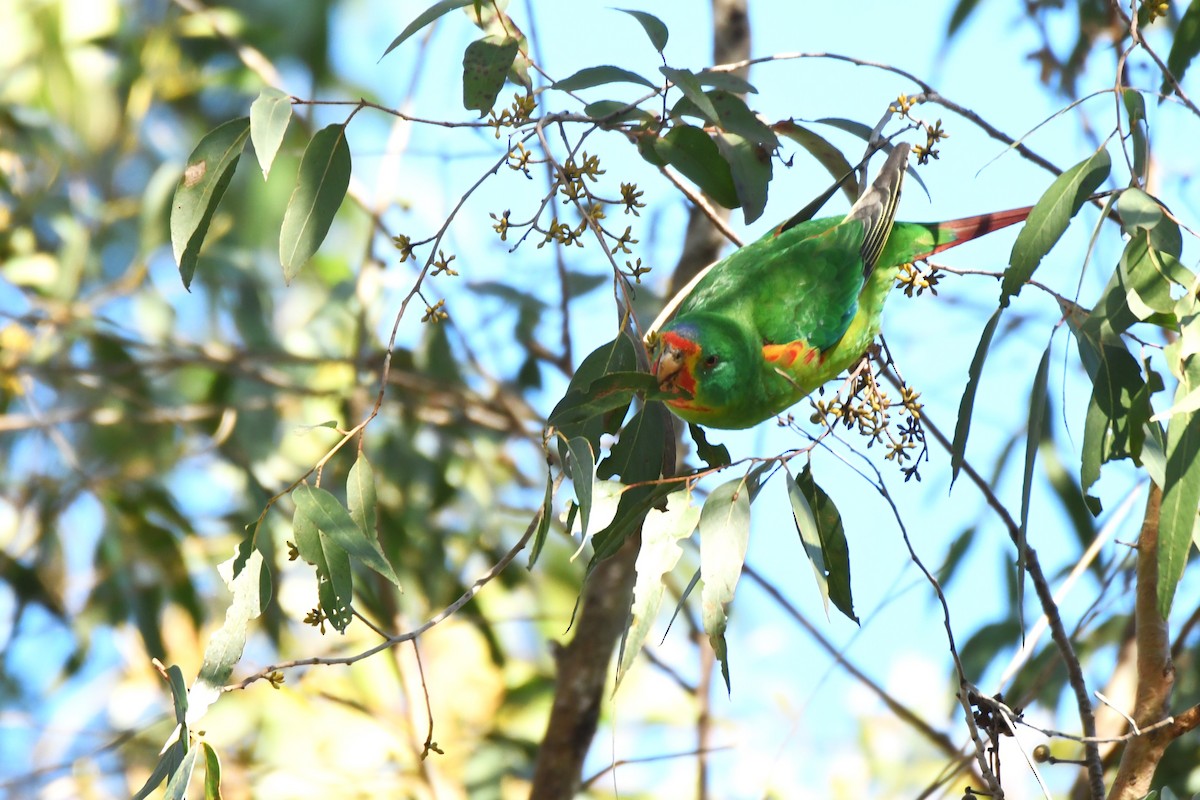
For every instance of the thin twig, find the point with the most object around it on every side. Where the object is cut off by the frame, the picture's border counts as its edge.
(392, 641)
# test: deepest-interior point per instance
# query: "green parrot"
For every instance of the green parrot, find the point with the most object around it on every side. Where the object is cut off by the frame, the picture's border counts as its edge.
(759, 330)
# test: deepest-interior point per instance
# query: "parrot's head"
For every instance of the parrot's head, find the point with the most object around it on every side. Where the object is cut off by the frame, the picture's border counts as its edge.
(711, 359)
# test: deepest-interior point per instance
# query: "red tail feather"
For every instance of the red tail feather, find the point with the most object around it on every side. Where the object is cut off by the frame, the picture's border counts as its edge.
(968, 228)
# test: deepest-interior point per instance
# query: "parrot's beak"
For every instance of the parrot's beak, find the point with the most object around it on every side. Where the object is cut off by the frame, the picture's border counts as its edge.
(667, 368)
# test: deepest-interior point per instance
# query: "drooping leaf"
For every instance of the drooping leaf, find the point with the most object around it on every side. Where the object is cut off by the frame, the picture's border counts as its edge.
(721, 79)
(1181, 491)
(1184, 46)
(613, 112)
(179, 695)
(543, 524)
(212, 773)
(810, 537)
(724, 534)
(716, 456)
(652, 25)
(1135, 111)
(1138, 209)
(224, 648)
(1117, 414)
(606, 393)
(825, 153)
(685, 80)
(205, 178)
(581, 466)
(1035, 430)
(320, 188)
(961, 11)
(835, 550)
(360, 496)
(178, 785)
(750, 167)
(424, 18)
(486, 63)
(269, 117)
(335, 584)
(588, 77)
(637, 457)
(966, 405)
(335, 522)
(734, 116)
(693, 152)
(662, 532)
(1049, 219)
(612, 357)
(169, 763)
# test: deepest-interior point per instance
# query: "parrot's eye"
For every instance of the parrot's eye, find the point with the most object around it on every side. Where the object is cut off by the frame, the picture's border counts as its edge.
(711, 361)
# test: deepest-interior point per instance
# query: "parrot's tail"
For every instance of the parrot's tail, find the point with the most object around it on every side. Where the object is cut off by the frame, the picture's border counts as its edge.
(956, 231)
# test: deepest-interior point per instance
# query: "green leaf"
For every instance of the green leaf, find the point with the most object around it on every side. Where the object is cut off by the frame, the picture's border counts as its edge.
(1135, 112)
(360, 496)
(424, 18)
(734, 116)
(207, 175)
(966, 405)
(1185, 45)
(581, 465)
(637, 457)
(685, 80)
(1049, 218)
(335, 522)
(1138, 209)
(826, 523)
(961, 11)
(750, 167)
(606, 393)
(178, 785)
(724, 534)
(269, 117)
(1142, 275)
(543, 524)
(613, 112)
(485, 69)
(716, 456)
(335, 583)
(825, 153)
(1181, 492)
(662, 532)
(693, 152)
(179, 695)
(615, 356)
(720, 79)
(1035, 431)
(810, 536)
(1115, 425)
(320, 188)
(588, 77)
(225, 646)
(212, 773)
(652, 25)
(169, 763)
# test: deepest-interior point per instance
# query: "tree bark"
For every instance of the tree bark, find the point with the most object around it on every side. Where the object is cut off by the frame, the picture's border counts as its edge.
(1155, 670)
(582, 665)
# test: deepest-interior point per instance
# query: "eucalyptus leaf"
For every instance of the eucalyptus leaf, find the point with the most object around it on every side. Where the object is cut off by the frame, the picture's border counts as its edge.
(724, 535)
(269, 117)
(207, 175)
(662, 532)
(320, 188)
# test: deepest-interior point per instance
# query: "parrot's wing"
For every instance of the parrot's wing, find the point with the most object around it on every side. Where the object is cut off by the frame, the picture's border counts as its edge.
(811, 292)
